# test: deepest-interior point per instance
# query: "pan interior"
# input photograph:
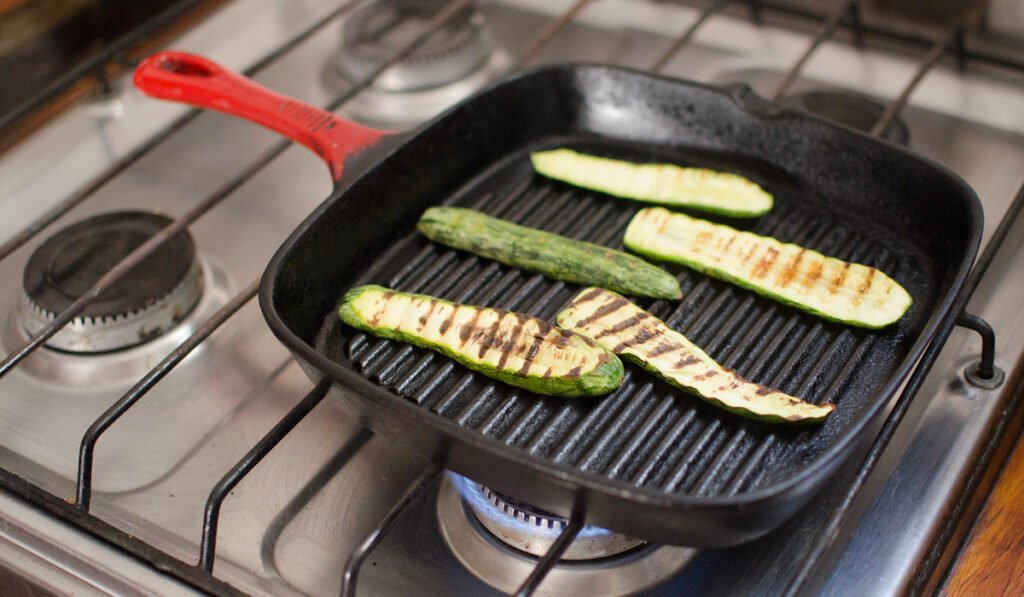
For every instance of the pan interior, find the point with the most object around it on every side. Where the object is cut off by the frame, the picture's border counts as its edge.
(646, 434)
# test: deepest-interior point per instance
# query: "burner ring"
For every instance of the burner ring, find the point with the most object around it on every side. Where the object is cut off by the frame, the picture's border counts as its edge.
(152, 298)
(533, 531)
(504, 568)
(370, 37)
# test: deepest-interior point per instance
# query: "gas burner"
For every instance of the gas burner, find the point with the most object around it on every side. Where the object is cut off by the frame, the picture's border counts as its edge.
(151, 299)
(457, 60)
(375, 32)
(849, 109)
(533, 530)
(499, 539)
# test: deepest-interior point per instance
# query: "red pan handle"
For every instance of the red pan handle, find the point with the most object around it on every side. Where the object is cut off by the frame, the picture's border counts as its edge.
(195, 80)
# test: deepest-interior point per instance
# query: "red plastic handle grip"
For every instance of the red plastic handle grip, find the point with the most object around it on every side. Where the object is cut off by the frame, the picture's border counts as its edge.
(192, 79)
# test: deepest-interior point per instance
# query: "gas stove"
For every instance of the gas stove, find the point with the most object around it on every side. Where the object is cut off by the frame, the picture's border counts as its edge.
(132, 465)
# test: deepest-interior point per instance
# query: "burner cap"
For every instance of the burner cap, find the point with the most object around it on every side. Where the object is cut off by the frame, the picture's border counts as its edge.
(849, 109)
(533, 530)
(374, 33)
(159, 292)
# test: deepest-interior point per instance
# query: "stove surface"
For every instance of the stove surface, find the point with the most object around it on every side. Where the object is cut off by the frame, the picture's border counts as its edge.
(290, 525)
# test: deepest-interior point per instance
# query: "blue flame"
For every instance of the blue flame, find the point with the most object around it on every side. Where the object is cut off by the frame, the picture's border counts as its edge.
(473, 494)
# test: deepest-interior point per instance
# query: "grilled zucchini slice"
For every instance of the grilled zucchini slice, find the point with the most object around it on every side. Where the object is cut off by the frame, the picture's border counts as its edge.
(663, 184)
(638, 336)
(554, 256)
(833, 289)
(515, 348)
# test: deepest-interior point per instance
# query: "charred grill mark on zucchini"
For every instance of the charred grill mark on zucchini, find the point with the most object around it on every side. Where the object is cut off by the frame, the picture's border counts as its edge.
(623, 325)
(665, 348)
(664, 184)
(694, 371)
(765, 263)
(791, 269)
(837, 290)
(555, 256)
(510, 347)
(687, 361)
(607, 309)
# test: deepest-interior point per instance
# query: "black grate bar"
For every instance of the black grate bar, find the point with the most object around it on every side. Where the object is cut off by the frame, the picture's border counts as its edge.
(355, 561)
(42, 222)
(554, 553)
(684, 39)
(938, 50)
(211, 515)
(144, 385)
(141, 551)
(756, 11)
(553, 28)
(880, 29)
(986, 368)
(828, 28)
(144, 250)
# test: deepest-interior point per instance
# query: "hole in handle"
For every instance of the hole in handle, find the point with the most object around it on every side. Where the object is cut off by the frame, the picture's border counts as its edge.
(187, 66)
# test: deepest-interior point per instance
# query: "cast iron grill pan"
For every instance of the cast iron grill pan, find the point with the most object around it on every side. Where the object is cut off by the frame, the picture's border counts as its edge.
(650, 461)
(647, 433)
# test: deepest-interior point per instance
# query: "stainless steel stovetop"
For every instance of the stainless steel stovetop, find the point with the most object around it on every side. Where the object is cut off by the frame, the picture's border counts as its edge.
(290, 525)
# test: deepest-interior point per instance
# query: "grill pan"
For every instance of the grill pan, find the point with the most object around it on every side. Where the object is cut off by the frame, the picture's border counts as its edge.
(647, 461)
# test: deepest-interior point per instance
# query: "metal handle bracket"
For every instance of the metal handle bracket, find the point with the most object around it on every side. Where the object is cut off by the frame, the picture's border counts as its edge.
(983, 373)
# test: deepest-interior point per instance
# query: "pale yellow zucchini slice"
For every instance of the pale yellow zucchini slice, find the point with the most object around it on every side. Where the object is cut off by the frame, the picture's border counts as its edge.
(636, 335)
(850, 293)
(518, 349)
(664, 184)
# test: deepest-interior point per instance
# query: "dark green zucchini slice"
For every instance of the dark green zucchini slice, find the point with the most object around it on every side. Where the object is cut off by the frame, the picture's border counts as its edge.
(636, 335)
(554, 256)
(518, 349)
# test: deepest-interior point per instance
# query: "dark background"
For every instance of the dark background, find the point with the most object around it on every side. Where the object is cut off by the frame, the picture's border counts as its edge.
(40, 40)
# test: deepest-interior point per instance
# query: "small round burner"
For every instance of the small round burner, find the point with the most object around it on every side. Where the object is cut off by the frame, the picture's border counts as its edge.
(153, 297)
(533, 530)
(849, 109)
(374, 33)
(628, 566)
